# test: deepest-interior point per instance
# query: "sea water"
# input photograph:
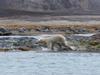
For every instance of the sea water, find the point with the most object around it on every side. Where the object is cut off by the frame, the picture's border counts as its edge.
(43, 63)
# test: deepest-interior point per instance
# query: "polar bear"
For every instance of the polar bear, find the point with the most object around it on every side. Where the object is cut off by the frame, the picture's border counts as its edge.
(54, 41)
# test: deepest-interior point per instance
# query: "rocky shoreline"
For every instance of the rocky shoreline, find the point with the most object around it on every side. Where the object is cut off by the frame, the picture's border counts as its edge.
(27, 43)
(19, 35)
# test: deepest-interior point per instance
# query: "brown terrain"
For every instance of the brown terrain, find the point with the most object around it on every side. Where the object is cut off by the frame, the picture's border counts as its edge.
(47, 26)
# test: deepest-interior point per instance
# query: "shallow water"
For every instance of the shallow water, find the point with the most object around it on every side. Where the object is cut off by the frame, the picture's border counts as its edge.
(32, 63)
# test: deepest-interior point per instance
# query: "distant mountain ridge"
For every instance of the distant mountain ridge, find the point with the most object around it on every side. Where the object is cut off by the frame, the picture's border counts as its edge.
(53, 6)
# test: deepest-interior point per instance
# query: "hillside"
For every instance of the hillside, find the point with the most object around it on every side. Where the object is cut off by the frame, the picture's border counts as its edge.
(60, 7)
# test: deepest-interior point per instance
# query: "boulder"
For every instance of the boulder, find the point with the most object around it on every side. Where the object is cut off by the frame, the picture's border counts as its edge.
(4, 31)
(96, 36)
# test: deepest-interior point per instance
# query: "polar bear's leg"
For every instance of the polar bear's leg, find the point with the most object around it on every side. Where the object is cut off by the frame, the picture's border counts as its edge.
(59, 46)
(50, 45)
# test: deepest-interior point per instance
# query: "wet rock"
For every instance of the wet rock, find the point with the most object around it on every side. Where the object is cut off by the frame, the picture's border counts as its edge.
(77, 38)
(4, 31)
(76, 31)
(82, 31)
(96, 37)
(89, 49)
(26, 42)
(24, 48)
(66, 49)
(4, 49)
(15, 43)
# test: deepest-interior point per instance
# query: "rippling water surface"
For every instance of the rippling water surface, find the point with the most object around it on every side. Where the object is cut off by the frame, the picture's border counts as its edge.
(31, 63)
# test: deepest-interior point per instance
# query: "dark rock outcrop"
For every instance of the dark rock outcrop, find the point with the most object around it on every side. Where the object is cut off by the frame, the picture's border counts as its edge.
(5, 32)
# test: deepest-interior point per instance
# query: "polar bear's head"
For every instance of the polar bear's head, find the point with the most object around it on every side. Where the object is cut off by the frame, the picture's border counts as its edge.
(42, 42)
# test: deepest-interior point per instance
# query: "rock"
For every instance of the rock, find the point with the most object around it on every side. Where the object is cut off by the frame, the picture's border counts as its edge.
(22, 30)
(96, 37)
(4, 31)
(15, 43)
(24, 48)
(66, 49)
(26, 41)
(77, 38)
(4, 49)
(45, 29)
(93, 49)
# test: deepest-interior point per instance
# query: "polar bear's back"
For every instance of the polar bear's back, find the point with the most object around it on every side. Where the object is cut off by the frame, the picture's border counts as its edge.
(56, 38)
